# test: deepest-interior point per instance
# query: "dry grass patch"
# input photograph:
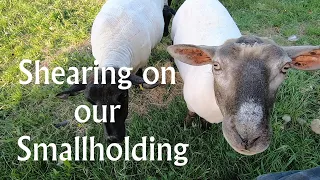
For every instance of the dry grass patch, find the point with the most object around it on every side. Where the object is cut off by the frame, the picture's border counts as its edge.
(161, 96)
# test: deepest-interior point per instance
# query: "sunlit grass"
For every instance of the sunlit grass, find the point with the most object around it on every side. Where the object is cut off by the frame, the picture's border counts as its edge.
(57, 33)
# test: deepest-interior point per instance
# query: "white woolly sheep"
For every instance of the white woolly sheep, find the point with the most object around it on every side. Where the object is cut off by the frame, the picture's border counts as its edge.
(231, 78)
(123, 34)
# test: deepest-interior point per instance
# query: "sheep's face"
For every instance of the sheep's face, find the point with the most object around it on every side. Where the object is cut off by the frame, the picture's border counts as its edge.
(247, 73)
(109, 94)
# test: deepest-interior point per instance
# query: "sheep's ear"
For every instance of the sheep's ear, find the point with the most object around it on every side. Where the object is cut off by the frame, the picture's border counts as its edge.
(191, 54)
(75, 88)
(71, 91)
(304, 57)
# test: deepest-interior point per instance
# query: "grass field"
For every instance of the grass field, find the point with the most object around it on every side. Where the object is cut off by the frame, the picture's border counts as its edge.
(57, 33)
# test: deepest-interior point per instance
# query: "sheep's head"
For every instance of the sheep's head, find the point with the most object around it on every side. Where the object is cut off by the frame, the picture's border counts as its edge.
(247, 73)
(108, 94)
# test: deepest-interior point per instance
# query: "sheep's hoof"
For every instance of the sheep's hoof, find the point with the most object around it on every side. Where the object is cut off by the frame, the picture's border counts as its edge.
(205, 125)
(186, 124)
(189, 119)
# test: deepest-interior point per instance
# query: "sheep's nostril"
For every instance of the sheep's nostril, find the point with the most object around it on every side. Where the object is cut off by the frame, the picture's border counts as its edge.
(246, 141)
(254, 140)
(248, 144)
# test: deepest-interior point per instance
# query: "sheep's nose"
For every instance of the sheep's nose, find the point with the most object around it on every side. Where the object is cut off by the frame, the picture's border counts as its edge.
(247, 143)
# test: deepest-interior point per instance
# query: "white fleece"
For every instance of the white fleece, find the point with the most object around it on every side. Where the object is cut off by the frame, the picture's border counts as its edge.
(202, 22)
(125, 31)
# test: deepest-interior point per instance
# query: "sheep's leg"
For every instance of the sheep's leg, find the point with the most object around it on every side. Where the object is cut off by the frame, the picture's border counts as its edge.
(205, 125)
(189, 118)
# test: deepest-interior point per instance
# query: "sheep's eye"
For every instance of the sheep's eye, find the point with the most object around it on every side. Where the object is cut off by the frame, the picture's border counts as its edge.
(285, 68)
(216, 66)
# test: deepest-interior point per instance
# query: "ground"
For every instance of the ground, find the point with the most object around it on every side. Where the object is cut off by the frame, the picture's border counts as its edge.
(57, 33)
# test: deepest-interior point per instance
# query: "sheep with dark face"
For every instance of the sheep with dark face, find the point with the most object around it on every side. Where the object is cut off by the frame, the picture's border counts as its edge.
(123, 34)
(231, 78)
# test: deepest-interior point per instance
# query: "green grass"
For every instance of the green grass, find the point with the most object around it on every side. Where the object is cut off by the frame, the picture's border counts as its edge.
(57, 32)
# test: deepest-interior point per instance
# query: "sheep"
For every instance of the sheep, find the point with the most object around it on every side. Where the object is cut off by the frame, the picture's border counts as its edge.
(231, 78)
(123, 34)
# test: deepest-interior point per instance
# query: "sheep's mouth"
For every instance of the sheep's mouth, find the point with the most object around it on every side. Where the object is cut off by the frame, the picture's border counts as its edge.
(255, 146)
